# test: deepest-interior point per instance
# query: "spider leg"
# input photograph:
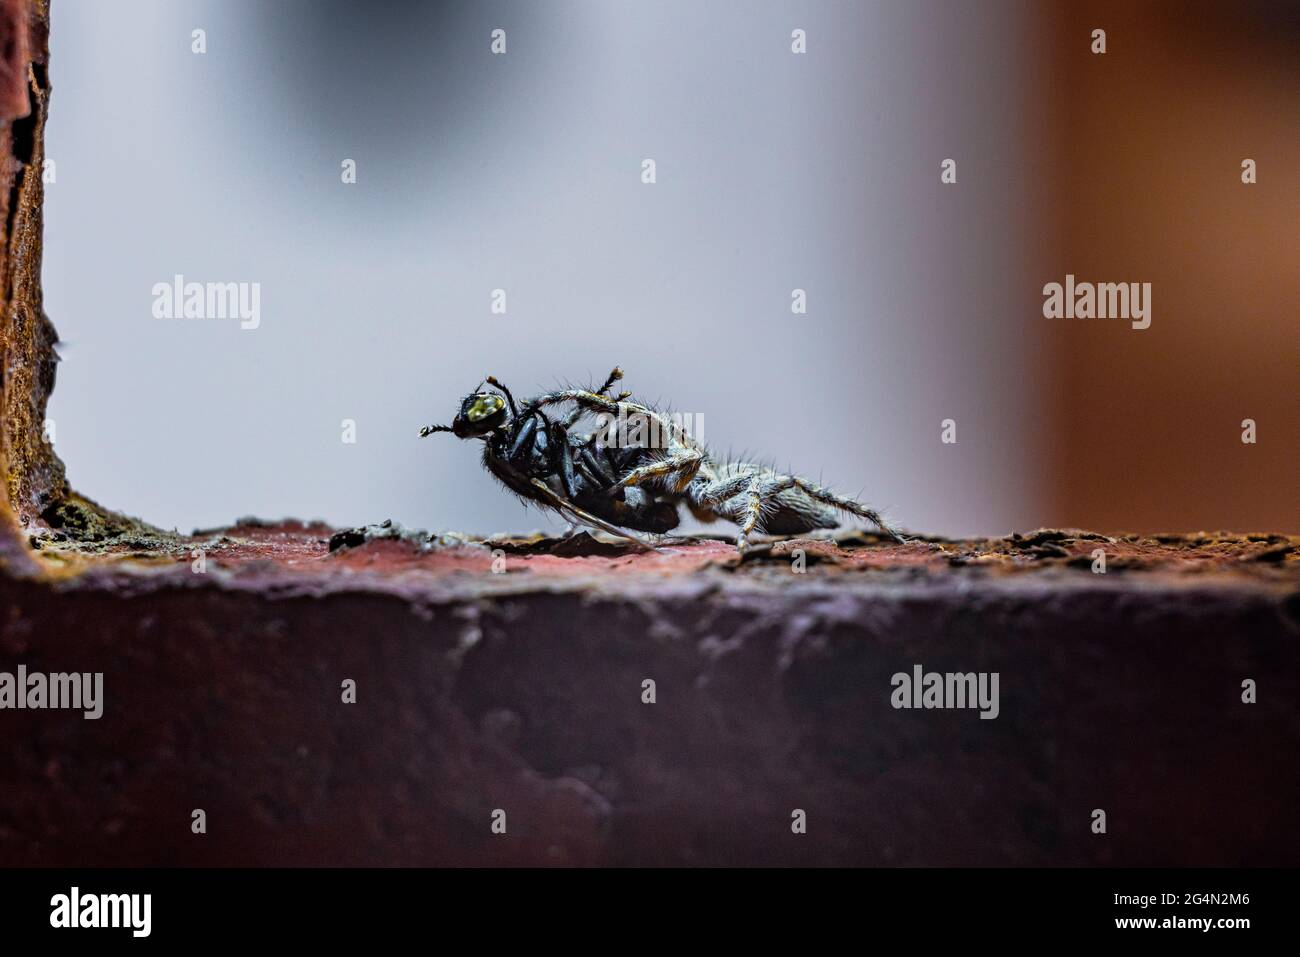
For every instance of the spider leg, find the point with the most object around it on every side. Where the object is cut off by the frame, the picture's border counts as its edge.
(753, 512)
(852, 506)
(578, 413)
(609, 382)
(683, 464)
(759, 489)
(716, 492)
(827, 497)
(591, 401)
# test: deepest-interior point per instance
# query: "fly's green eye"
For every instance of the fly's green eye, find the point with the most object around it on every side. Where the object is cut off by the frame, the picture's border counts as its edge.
(484, 406)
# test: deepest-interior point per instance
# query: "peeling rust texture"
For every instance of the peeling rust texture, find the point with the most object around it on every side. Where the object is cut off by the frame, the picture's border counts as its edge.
(522, 691)
(27, 359)
(34, 474)
(37, 493)
(32, 471)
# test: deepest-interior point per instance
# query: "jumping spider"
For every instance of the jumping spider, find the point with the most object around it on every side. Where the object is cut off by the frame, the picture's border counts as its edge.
(616, 486)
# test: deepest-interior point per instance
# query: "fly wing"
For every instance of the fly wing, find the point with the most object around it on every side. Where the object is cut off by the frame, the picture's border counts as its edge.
(569, 510)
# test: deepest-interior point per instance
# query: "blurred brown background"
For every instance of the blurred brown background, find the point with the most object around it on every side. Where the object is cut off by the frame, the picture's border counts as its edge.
(1146, 430)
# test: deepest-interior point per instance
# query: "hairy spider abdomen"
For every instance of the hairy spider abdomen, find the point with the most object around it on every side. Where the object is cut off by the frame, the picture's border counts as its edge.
(796, 514)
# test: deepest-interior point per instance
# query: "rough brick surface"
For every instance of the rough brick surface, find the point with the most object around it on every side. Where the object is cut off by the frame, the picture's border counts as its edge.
(522, 691)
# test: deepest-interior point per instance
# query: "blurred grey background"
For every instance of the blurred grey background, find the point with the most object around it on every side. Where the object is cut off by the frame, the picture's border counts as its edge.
(776, 171)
